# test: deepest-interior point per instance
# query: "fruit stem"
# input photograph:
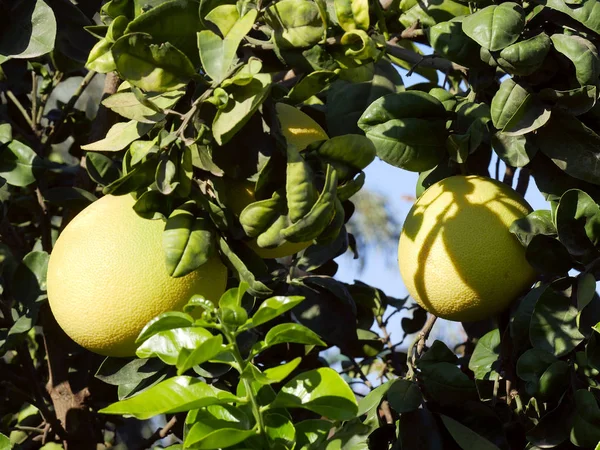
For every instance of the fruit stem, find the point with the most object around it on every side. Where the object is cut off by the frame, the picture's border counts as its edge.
(419, 343)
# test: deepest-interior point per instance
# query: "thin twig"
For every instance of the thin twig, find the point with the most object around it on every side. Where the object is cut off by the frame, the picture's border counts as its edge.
(419, 343)
(34, 93)
(161, 433)
(21, 108)
(431, 61)
(67, 109)
(360, 373)
(523, 181)
(509, 175)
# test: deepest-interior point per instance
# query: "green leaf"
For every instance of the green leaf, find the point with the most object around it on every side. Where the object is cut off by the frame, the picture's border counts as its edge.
(17, 162)
(531, 365)
(466, 438)
(280, 431)
(572, 146)
(217, 426)
(272, 308)
(515, 111)
(354, 150)
(586, 421)
(133, 376)
(408, 129)
(5, 133)
(577, 222)
(279, 373)
(553, 325)
(167, 344)
(322, 391)
(188, 241)
(373, 398)
(536, 222)
(165, 321)
(585, 13)
(292, 332)
(224, 17)
(309, 85)
(310, 433)
(485, 358)
(173, 21)
(128, 105)
(549, 256)
(4, 442)
(449, 40)
(149, 66)
(101, 168)
(320, 215)
(177, 394)
(352, 14)
(515, 151)
(582, 53)
(71, 197)
(574, 101)
(295, 23)
(246, 100)
(496, 26)
(120, 136)
(525, 57)
(142, 175)
(428, 12)
(217, 54)
(404, 396)
(586, 289)
(30, 32)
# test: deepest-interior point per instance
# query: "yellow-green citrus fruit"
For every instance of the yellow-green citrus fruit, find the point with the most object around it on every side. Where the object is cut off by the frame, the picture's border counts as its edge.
(107, 277)
(457, 257)
(298, 128)
(239, 195)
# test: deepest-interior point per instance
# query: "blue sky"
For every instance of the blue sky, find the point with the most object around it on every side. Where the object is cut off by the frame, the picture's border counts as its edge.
(383, 272)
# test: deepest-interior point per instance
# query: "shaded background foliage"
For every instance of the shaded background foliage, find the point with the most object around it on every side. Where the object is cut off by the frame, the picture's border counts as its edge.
(174, 100)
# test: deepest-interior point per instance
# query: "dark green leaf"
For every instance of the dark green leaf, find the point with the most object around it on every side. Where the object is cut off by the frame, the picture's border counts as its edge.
(71, 197)
(466, 438)
(17, 162)
(101, 168)
(582, 53)
(525, 57)
(30, 32)
(553, 325)
(578, 222)
(586, 420)
(535, 223)
(496, 26)
(515, 151)
(404, 396)
(311, 433)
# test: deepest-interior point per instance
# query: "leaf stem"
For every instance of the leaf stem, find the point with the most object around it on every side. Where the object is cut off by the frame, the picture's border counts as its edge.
(21, 108)
(242, 363)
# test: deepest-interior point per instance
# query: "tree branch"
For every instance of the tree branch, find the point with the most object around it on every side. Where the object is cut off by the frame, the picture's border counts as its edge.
(161, 433)
(21, 109)
(509, 175)
(523, 181)
(419, 343)
(431, 61)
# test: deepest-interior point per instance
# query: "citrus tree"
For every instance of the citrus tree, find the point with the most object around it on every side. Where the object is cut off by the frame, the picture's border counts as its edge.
(176, 181)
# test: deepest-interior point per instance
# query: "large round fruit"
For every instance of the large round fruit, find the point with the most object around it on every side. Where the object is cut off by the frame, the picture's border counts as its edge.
(107, 277)
(457, 257)
(298, 128)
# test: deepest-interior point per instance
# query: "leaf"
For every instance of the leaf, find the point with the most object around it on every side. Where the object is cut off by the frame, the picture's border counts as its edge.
(309, 85)
(322, 391)
(352, 14)
(354, 150)
(188, 241)
(586, 289)
(373, 398)
(586, 421)
(217, 426)
(120, 136)
(466, 438)
(4, 442)
(17, 163)
(449, 40)
(206, 351)
(408, 129)
(173, 21)
(430, 12)
(515, 111)
(246, 100)
(72, 197)
(149, 66)
(525, 57)
(165, 321)
(419, 430)
(272, 308)
(574, 101)
(142, 175)
(101, 168)
(585, 13)
(127, 105)
(29, 279)
(533, 224)
(514, 150)
(554, 324)
(134, 375)
(404, 396)
(217, 54)
(177, 394)
(485, 358)
(312, 432)
(549, 256)
(533, 363)
(496, 26)
(582, 53)
(280, 431)
(167, 344)
(279, 373)
(30, 32)
(577, 222)
(295, 23)
(292, 332)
